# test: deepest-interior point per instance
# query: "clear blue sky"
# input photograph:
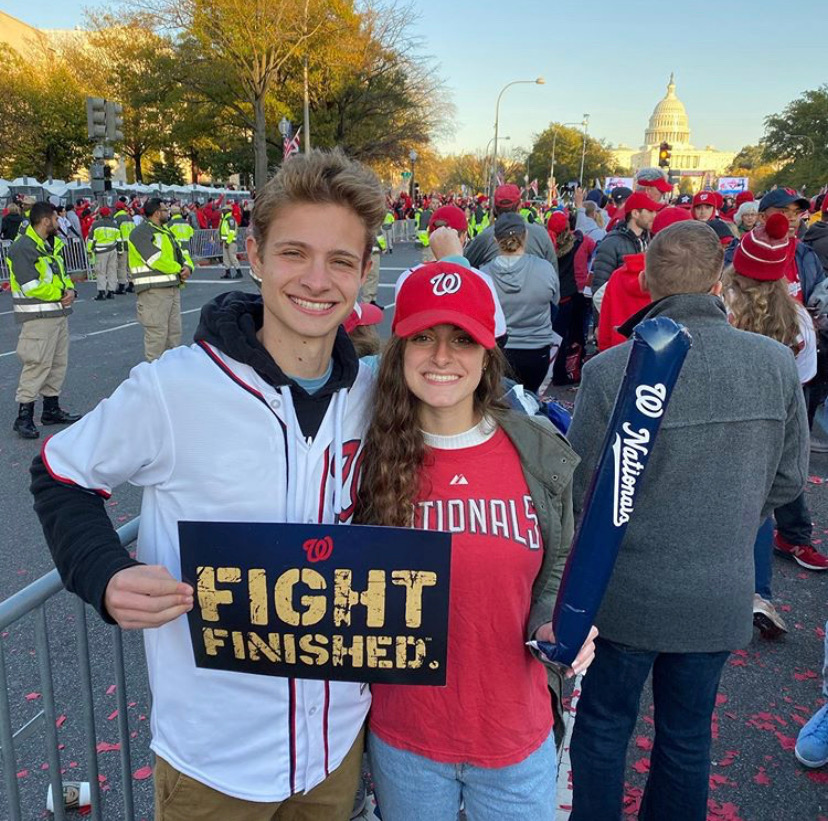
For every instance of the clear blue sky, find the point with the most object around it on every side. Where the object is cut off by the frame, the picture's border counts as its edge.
(735, 62)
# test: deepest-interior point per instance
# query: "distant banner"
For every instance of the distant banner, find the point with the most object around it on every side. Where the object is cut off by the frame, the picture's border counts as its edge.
(617, 182)
(346, 603)
(733, 185)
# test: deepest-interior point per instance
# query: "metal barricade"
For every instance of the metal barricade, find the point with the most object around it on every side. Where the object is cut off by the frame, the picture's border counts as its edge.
(74, 256)
(4, 268)
(32, 601)
(205, 244)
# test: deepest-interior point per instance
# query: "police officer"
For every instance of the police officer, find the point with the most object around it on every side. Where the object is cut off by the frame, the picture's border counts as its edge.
(103, 243)
(227, 234)
(388, 231)
(180, 227)
(158, 267)
(42, 296)
(125, 223)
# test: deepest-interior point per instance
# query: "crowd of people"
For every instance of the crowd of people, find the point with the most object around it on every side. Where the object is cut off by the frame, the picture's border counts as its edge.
(510, 292)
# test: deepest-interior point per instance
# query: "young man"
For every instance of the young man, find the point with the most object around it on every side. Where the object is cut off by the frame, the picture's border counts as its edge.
(704, 206)
(280, 398)
(43, 295)
(630, 238)
(680, 597)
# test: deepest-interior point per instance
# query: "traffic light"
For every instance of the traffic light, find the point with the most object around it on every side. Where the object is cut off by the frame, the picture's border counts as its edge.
(114, 122)
(107, 176)
(96, 118)
(664, 152)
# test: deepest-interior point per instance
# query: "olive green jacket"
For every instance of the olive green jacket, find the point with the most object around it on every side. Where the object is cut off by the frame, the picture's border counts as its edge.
(548, 464)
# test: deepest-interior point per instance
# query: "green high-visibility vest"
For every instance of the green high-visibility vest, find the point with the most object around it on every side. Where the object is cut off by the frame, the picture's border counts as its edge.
(181, 230)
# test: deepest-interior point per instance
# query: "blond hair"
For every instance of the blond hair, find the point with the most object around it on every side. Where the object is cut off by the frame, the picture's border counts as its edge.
(684, 258)
(765, 308)
(321, 177)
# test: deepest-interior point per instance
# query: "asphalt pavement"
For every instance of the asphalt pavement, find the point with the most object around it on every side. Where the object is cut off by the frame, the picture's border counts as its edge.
(768, 691)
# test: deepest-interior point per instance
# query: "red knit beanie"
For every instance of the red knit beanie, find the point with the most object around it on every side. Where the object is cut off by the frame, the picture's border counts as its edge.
(558, 222)
(667, 216)
(744, 196)
(763, 252)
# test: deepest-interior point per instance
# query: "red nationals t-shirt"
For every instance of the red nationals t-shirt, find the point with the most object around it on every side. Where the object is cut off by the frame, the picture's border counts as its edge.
(495, 709)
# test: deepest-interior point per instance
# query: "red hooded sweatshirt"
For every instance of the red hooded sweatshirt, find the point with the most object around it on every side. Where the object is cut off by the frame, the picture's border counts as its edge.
(622, 298)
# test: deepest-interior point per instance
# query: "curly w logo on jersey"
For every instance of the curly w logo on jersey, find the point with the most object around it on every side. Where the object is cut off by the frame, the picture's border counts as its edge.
(443, 293)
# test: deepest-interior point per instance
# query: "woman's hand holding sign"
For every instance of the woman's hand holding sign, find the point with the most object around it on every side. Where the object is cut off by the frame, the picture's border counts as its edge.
(585, 655)
(146, 596)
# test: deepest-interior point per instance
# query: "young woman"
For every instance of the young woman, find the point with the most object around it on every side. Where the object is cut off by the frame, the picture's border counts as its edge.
(528, 288)
(442, 453)
(758, 300)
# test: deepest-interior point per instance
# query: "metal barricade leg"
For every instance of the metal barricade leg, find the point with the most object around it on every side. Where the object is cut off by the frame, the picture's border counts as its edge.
(123, 723)
(6, 738)
(44, 664)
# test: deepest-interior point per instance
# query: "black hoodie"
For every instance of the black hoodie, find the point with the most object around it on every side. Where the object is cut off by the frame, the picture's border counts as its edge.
(84, 545)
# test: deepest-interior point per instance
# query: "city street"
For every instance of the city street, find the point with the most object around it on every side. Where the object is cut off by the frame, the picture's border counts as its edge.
(768, 691)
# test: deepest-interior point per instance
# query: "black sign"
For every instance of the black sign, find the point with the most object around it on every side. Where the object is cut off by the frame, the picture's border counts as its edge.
(339, 602)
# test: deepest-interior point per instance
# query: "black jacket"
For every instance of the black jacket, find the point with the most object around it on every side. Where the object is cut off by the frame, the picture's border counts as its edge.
(10, 226)
(817, 237)
(611, 252)
(84, 545)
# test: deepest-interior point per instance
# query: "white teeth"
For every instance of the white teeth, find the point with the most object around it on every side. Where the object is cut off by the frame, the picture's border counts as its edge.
(312, 306)
(441, 377)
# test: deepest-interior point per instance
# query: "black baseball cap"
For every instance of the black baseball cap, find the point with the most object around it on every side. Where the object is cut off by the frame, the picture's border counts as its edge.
(619, 194)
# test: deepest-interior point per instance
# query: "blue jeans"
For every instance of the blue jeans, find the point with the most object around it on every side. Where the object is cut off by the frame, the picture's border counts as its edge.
(409, 786)
(684, 691)
(762, 553)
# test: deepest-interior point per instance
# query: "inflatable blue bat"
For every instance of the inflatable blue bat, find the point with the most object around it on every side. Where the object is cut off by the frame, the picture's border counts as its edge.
(659, 348)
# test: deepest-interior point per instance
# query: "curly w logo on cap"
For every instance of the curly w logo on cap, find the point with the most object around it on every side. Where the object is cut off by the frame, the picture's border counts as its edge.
(443, 293)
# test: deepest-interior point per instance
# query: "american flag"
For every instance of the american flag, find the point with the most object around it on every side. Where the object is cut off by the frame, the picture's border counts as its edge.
(534, 186)
(291, 146)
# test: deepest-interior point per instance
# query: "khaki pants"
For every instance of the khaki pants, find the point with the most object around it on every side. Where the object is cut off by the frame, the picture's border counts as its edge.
(123, 279)
(181, 798)
(159, 311)
(43, 348)
(371, 284)
(106, 271)
(228, 255)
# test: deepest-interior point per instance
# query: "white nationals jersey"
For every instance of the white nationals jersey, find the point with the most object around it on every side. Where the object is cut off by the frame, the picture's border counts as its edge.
(208, 439)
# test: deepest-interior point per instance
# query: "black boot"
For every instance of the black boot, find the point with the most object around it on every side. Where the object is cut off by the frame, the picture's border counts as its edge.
(238, 274)
(227, 275)
(53, 414)
(110, 294)
(24, 424)
(130, 288)
(101, 295)
(121, 288)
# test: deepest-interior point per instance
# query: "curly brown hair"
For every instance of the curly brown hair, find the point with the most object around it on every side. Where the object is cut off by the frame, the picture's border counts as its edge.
(765, 308)
(395, 450)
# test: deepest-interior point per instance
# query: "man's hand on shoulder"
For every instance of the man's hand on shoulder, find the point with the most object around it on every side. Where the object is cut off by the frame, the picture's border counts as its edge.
(145, 596)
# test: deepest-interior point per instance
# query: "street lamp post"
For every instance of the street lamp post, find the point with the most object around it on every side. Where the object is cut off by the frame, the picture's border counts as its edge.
(412, 155)
(583, 150)
(539, 81)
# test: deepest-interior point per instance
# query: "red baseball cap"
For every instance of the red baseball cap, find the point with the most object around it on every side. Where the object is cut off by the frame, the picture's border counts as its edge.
(443, 293)
(507, 195)
(452, 216)
(669, 215)
(706, 198)
(639, 200)
(364, 313)
(659, 184)
(104, 211)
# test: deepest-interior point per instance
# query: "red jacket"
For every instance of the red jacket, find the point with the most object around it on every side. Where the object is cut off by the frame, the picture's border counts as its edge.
(623, 297)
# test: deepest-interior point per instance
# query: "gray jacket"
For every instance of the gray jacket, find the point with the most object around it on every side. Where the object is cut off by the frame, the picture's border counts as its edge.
(526, 286)
(548, 464)
(733, 446)
(484, 248)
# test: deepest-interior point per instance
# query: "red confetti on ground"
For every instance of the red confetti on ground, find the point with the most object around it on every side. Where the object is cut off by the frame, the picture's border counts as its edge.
(816, 480)
(22, 773)
(729, 757)
(785, 608)
(726, 811)
(113, 714)
(44, 766)
(61, 720)
(142, 774)
(632, 799)
(106, 747)
(111, 689)
(762, 777)
(717, 780)
(721, 698)
(642, 765)
(818, 778)
(805, 676)
(786, 742)
(820, 631)
(32, 696)
(643, 743)
(101, 778)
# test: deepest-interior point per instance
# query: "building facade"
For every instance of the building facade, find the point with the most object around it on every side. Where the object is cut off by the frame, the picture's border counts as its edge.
(670, 123)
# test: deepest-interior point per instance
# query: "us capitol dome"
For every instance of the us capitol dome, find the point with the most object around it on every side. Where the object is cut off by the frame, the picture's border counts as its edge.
(669, 123)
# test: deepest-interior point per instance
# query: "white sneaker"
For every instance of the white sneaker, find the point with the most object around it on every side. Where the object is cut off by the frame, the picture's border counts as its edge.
(771, 625)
